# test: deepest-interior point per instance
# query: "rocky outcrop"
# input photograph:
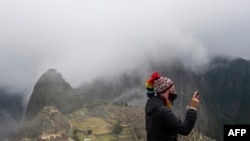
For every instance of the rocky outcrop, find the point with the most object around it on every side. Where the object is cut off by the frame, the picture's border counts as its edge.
(50, 89)
(48, 124)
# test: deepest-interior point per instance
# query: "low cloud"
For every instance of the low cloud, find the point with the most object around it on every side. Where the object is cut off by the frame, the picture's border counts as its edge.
(87, 39)
(9, 124)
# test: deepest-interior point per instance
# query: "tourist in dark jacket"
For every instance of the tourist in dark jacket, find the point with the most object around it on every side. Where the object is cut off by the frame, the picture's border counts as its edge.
(161, 122)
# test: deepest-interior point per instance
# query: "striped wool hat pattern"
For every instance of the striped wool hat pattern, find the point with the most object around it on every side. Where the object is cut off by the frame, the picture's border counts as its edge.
(157, 84)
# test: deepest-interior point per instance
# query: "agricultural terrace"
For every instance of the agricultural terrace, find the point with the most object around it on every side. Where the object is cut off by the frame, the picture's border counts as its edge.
(108, 123)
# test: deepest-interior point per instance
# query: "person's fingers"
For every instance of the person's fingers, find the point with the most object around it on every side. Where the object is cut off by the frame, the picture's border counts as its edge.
(197, 101)
(194, 103)
(195, 94)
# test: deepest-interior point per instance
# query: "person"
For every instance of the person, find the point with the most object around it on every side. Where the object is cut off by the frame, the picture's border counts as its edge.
(161, 123)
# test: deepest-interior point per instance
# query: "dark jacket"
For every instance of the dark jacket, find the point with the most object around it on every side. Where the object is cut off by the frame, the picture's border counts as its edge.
(162, 124)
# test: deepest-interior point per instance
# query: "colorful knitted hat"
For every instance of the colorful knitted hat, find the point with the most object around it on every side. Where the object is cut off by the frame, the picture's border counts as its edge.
(157, 84)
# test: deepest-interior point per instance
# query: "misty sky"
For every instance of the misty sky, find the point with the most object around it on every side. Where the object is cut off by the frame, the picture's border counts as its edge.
(84, 39)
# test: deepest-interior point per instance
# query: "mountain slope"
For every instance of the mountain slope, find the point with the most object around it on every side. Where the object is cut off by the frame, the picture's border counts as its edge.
(47, 124)
(51, 89)
(224, 88)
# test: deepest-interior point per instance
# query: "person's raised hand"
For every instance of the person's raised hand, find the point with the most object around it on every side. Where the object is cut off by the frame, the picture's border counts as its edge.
(195, 100)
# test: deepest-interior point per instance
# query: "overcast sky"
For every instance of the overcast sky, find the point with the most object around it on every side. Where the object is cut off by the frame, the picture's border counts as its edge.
(83, 39)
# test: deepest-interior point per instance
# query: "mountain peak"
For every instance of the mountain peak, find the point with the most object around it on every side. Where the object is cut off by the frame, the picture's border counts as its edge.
(51, 72)
(49, 90)
(51, 75)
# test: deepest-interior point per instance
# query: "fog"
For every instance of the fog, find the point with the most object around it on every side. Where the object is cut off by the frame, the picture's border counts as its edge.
(86, 39)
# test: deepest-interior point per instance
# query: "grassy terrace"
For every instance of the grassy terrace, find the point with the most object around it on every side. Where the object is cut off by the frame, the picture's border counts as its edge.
(125, 134)
(101, 126)
(97, 125)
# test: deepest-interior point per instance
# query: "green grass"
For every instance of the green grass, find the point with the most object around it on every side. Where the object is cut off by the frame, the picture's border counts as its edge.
(126, 133)
(97, 125)
(74, 114)
(101, 126)
(83, 136)
(106, 137)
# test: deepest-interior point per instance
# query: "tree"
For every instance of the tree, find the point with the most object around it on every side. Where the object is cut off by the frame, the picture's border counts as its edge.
(75, 137)
(117, 128)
